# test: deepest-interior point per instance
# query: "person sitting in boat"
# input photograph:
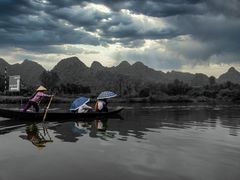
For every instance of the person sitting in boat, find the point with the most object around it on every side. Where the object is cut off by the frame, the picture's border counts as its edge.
(36, 99)
(79, 105)
(101, 105)
(84, 109)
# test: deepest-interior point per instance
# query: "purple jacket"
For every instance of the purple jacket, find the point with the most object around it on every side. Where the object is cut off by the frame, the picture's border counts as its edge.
(38, 97)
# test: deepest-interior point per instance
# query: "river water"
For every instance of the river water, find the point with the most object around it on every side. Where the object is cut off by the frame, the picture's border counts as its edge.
(169, 142)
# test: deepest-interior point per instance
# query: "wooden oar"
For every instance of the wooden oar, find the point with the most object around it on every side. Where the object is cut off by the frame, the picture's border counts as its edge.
(45, 114)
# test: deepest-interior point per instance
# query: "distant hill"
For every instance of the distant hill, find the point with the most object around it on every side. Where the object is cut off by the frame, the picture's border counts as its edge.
(96, 66)
(231, 75)
(199, 79)
(3, 64)
(29, 71)
(139, 71)
(73, 70)
(185, 77)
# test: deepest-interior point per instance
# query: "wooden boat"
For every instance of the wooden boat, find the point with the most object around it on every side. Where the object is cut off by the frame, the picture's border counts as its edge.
(56, 115)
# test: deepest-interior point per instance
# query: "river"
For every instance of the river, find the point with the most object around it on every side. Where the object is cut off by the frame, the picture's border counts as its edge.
(150, 141)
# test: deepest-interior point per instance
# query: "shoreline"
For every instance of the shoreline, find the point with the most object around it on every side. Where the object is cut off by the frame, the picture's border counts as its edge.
(168, 99)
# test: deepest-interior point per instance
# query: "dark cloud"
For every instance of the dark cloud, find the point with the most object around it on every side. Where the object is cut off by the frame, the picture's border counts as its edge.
(47, 37)
(227, 8)
(80, 16)
(210, 35)
(39, 29)
(16, 7)
(165, 8)
(212, 26)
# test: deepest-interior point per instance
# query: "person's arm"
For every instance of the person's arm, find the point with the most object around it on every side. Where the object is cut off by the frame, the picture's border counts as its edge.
(46, 95)
(87, 107)
(38, 97)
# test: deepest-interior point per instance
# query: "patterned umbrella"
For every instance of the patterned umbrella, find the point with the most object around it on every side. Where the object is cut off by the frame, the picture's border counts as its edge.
(106, 95)
(79, 102)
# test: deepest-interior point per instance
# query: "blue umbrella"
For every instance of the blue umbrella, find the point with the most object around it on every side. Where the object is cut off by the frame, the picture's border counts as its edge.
(79, 102)
(106, 94)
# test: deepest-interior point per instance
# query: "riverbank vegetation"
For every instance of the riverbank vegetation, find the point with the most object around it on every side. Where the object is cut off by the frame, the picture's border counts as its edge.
(176, 91)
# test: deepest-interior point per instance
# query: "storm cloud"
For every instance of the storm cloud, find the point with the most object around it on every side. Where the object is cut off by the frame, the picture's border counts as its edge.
(162, 34)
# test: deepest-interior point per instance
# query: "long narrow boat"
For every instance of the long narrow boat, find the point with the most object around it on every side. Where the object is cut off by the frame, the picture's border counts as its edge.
(56, 115)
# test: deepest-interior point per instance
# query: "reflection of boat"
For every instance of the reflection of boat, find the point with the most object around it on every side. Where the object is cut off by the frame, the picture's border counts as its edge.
(7, 126)
(17, 114)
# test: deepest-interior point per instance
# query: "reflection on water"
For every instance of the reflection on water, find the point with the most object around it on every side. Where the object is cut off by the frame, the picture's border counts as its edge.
(71, 131)
(150, 142)
(38, 138)
(139, 121)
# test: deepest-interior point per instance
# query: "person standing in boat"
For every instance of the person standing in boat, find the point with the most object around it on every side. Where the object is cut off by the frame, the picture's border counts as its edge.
(101, 105)
(36, 99)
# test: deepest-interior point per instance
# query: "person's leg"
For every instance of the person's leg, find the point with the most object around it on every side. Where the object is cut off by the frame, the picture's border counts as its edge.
(27, 106)
(35, 105)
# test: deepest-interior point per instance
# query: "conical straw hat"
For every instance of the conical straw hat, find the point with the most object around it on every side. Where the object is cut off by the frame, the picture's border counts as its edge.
(41, 88)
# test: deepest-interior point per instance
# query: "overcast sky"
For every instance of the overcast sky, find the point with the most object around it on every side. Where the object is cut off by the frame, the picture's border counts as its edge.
(183, 35)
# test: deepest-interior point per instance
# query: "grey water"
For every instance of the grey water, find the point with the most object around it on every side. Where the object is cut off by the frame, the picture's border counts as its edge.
(150, 141)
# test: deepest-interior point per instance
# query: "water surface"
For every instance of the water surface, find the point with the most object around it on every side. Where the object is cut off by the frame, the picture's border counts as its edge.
(150, 142)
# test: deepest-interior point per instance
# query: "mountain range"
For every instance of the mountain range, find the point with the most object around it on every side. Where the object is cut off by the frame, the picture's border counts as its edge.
(29, 71)
(73, 70)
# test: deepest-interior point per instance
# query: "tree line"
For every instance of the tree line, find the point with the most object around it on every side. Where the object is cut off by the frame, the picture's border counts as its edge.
(227, 91)
(127, 87)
